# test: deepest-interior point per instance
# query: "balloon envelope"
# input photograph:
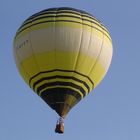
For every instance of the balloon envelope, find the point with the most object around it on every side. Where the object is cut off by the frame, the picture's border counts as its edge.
(62, 54)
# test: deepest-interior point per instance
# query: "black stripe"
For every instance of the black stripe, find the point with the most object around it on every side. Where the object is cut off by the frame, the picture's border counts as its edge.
(63, 10)
(43, 72)
(63, 21)
(61, 77)
(58, 83)
(51, 16)
(55, 16)
(67, 8)
(60, 91)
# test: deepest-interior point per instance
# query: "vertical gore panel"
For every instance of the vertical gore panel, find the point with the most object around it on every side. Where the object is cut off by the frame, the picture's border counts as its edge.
(100, 68)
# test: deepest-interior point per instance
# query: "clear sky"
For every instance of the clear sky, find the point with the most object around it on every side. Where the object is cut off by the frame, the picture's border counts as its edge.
(110, 112)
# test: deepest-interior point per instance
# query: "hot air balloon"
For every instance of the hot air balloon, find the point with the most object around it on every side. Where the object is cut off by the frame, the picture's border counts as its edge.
(62, 54)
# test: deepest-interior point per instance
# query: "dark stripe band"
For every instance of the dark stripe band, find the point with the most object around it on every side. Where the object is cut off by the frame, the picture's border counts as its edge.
(77, 11)
(55, 16)
(60, 77)
(19, 31)
(60, 70)
(58, 94)
(63, 10)
(58, 83)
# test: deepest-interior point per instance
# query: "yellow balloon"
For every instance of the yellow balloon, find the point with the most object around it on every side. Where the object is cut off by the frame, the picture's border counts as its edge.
(62, 54)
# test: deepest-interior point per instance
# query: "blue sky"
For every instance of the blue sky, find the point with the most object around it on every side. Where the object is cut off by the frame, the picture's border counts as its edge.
(110, 112)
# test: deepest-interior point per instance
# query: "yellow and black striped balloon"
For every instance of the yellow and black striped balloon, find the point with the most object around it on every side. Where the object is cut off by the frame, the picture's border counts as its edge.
(62, 54)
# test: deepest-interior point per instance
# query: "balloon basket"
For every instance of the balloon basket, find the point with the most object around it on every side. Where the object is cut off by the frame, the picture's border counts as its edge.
(60, 126)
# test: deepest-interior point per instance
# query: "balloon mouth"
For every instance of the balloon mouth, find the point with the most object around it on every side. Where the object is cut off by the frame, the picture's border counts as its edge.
(62, 100)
